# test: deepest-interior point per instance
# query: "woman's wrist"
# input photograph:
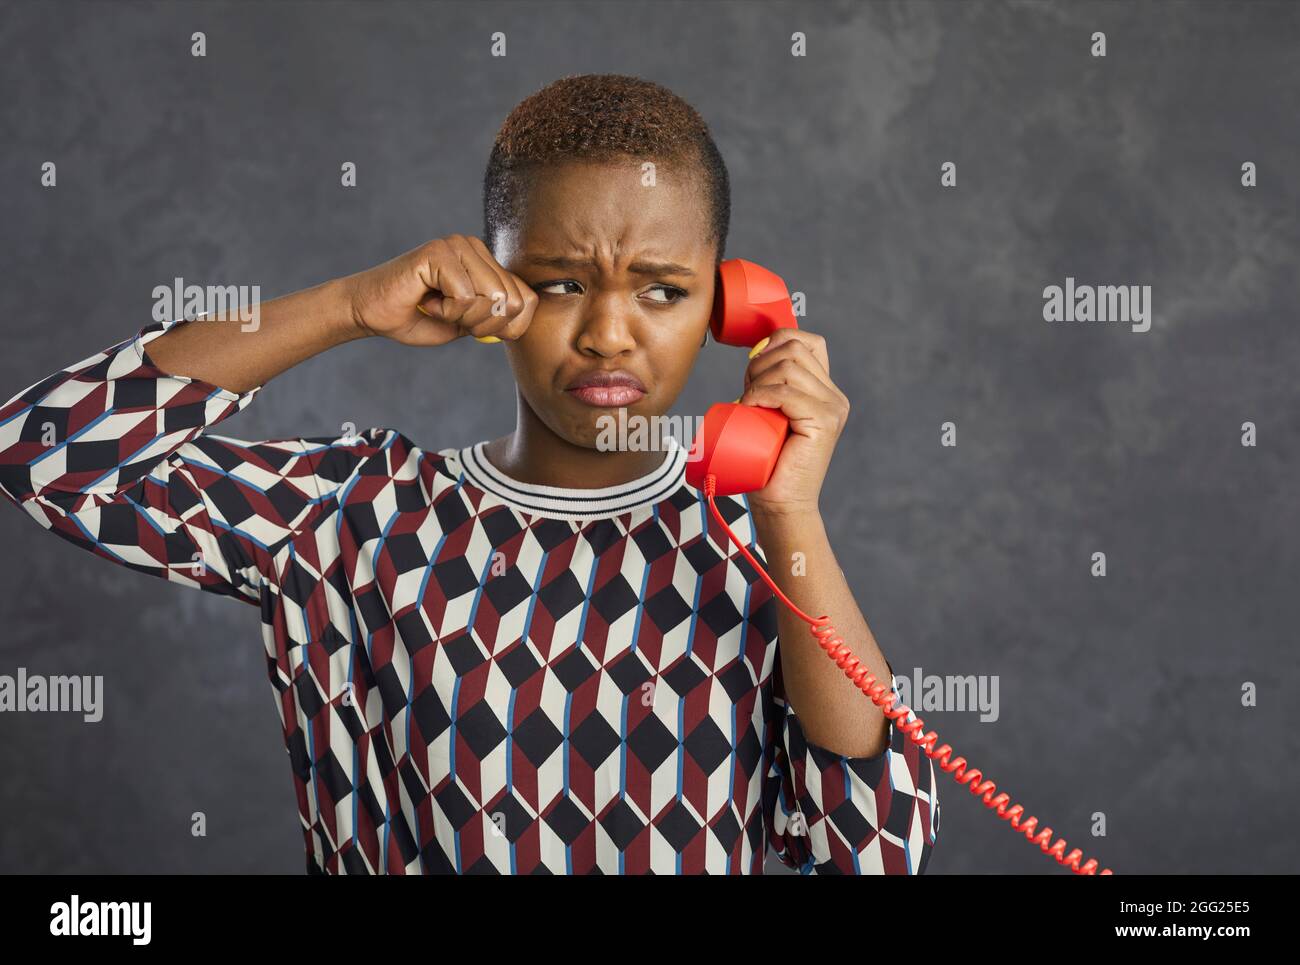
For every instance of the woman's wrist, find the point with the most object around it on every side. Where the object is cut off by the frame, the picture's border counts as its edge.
(790, 520)
(341, 311)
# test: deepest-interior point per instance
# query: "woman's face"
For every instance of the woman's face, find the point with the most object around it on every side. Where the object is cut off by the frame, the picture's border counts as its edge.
(624, 272)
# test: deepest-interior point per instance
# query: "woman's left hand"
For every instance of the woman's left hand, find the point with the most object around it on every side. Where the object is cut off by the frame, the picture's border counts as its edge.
(792, 373)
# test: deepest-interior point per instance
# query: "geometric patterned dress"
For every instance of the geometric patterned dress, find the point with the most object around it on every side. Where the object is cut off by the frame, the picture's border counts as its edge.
(474, 675)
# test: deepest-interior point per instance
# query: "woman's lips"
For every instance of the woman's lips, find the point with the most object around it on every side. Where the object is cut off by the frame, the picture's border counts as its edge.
(605, 396)
(605, 388)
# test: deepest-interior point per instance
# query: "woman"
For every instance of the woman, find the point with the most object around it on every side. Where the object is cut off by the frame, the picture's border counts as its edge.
(530, 654)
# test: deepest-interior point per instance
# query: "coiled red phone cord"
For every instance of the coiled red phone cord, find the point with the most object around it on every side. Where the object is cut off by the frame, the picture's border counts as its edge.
(884, 698)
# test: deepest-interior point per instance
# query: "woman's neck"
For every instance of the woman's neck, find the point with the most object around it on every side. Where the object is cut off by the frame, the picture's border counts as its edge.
(534, 454)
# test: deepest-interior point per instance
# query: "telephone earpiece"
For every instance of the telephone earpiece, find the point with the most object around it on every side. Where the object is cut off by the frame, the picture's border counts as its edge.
(739, 444)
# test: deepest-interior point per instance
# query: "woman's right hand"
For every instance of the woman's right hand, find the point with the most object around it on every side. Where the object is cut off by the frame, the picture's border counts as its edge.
(459, 287)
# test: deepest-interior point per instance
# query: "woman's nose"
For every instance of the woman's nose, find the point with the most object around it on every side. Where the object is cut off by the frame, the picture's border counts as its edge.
(608, 324)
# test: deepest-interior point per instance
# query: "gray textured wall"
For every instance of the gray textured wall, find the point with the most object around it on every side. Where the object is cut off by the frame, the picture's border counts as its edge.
(1118, 695)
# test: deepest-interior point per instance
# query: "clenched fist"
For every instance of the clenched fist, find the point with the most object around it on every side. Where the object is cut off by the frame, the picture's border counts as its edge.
(438, 292)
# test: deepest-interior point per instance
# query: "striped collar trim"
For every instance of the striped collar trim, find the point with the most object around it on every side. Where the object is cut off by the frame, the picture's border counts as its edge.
(564, 503)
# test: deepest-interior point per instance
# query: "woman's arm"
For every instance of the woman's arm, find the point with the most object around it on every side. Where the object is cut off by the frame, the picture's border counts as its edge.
(112, 454)
(791, 372)
(848, 792)
(233, 354)
(834, 713)
(459, 287)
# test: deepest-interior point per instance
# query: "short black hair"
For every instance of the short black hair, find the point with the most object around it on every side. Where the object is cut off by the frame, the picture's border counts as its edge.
(600, 117)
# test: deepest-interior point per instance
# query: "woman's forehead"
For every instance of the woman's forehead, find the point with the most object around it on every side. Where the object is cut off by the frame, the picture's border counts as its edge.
(614, 187)
(578, 210)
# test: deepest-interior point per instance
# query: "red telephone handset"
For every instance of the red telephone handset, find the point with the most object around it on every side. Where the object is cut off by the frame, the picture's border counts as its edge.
(739, 444)
(736, 452)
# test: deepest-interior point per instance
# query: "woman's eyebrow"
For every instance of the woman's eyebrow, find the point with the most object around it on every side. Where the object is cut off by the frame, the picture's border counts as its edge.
(640, 267)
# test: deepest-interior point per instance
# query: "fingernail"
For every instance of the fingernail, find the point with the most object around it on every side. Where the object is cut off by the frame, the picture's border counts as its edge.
(759, 347)
(420, 309)
(486, 339)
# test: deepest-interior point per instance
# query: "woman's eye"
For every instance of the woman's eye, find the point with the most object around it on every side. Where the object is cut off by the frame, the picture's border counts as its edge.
(667, 290)
(555, 284)
(663, 294)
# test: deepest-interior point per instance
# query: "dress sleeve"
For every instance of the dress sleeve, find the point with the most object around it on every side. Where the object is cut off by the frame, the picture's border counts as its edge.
(112, 455)
(833, 814)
